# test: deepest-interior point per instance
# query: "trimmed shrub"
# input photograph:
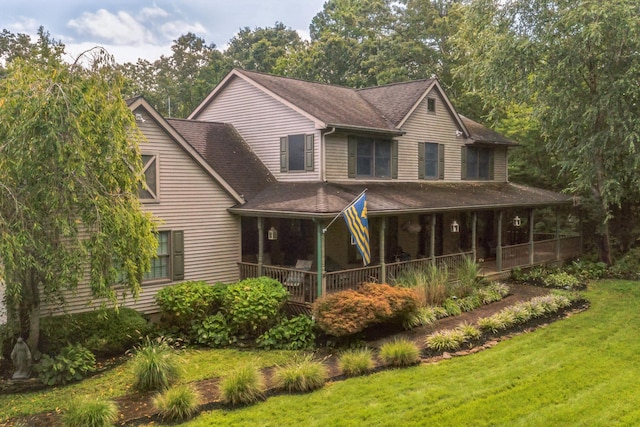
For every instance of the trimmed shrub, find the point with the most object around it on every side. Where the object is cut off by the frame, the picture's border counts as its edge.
(73, 363)
(400, 352)
(356, 362)
(213, 331)
(562, 280)
(351, 311)
(300, 375)
(105, 332)
(178, 403)
(90, 413)
(253, 305)
(243, 386)
(186, 302)
(290, 334)
(155, 366)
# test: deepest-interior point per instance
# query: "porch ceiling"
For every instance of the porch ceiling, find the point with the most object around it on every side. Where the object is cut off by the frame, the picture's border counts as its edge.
(322, 200)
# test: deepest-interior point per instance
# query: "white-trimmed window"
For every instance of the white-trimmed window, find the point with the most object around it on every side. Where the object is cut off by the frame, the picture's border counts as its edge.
(149, 189)
(296, 153)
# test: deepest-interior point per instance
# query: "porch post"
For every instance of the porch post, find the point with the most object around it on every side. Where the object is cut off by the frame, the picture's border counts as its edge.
(499, 243)
(432, 243)
(557, 234)
(383, 264)
(531, 243)
(260, 244)
(322, 281)
(474, 234)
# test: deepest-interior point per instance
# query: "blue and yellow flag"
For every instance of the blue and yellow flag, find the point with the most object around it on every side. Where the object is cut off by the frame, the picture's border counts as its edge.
(358, 224)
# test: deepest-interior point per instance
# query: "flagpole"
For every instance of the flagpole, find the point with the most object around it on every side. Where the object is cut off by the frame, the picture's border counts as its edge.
(324, 230)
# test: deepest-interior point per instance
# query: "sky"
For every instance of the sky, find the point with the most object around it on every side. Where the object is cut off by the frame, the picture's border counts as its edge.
(146, 29)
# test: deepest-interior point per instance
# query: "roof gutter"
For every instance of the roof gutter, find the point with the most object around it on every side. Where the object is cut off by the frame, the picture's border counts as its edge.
(394, 132)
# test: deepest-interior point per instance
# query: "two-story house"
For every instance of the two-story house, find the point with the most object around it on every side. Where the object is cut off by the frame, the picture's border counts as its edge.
(249, 183)
(436, 183)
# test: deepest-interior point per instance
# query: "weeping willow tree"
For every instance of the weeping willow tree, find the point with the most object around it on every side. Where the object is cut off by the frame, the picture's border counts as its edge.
(70, 169)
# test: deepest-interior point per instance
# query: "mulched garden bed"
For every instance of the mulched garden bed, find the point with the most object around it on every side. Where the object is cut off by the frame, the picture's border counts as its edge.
(137, 409)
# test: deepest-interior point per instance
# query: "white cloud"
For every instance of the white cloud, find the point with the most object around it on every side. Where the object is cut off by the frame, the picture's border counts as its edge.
(119, 29)
(174, 29)
(24, 26)
(153, 12)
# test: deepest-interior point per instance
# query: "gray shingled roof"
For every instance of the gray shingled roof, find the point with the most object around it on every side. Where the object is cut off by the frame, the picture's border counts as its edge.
(327, 199)
(480, 133)
(334, 105)
(394, 101)
(227, 153)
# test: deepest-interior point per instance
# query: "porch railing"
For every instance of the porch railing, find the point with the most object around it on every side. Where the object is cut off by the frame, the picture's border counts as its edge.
(303, 285)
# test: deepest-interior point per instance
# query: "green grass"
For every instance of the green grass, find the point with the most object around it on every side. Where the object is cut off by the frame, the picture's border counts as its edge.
(580, 371)
(198, 365)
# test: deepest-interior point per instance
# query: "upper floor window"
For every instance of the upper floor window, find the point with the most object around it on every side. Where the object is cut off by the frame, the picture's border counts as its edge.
(372, 157)
(431, 105)
(477, 163)
(296, 153)
(148, 190)
(431, 160)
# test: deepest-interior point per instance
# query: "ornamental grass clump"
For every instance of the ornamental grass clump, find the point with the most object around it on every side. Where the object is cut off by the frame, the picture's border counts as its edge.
(155, 366)
(423, 316)
(301, 375)
(429, 283)
(178, 403)
(243, 386)
(469, 331)
(400, 352)
(85, 412)
(356, 362)
(446, 340)
(491, 324)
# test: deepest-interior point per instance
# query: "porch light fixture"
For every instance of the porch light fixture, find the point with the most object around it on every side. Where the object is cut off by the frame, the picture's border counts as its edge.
(455, 227)
(272, 234)
(516, 221)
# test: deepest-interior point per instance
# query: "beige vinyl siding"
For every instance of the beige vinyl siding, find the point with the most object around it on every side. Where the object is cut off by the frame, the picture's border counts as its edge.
(500, 164)
(423, 126)
(191, 201)
(262, 120)
(336, 157)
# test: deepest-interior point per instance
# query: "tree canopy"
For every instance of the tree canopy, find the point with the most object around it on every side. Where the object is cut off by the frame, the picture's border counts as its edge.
(70, 169)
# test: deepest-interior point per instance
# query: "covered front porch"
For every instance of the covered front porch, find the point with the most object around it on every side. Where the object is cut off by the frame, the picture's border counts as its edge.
(311, 260)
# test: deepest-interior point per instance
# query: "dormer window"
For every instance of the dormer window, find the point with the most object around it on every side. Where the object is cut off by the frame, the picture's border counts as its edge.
(431, 105)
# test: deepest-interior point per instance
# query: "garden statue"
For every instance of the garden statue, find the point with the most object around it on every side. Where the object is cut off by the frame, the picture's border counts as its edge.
(21, 357)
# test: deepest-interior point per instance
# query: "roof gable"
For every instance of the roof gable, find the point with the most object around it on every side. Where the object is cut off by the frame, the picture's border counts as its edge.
(140, 102)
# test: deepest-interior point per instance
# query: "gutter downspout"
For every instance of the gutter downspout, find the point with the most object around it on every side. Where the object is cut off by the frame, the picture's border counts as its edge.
(323, 173)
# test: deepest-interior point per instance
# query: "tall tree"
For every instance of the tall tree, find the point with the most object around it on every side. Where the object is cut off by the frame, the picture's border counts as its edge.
(176, 84)
(70, 170)
(577, 63)
(261, 48)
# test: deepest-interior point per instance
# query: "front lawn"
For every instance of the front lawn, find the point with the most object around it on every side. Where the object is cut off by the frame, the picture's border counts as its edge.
(580, 371)
(198, 365)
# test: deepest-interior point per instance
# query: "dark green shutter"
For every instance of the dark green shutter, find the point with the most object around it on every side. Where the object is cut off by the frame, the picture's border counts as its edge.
(308, 153)
(441, 161)
(353, 145)
(394, 159)
(283, 154)
(421, 159)
(463, 163)
(177, 256)
(491, 163)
